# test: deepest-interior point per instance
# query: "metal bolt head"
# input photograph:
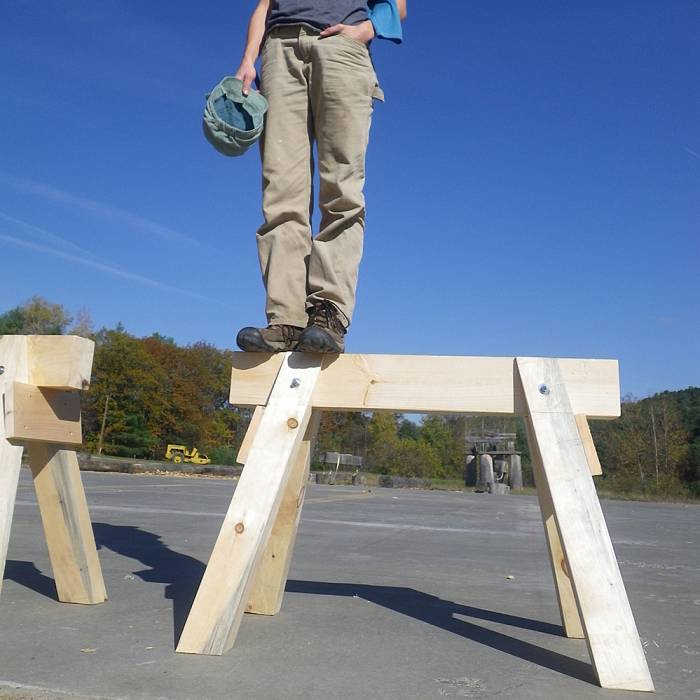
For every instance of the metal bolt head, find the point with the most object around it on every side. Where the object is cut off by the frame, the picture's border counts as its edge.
(2, 370)
(543, 389)
(295, 383)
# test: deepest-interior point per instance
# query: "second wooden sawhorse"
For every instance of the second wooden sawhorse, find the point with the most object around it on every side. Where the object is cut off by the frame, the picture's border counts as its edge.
(41, 378)
(248, 567)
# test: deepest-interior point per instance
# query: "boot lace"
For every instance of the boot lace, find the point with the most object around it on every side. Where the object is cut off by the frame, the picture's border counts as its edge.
(326, 314)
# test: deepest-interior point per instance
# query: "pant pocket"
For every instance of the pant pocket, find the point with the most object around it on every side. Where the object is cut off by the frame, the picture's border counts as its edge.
(355, 42)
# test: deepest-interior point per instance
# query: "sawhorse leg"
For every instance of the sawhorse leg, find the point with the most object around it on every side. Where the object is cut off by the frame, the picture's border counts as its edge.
(603, 607)
(268, 586)
(571, 622)
(67, 526)
(216, 613)
(13, 360)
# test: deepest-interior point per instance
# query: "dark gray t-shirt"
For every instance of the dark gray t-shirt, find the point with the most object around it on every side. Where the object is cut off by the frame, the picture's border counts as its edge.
(317, 13)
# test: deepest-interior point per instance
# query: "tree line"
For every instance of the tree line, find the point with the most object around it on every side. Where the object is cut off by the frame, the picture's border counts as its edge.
(148, 392)
(654, 447)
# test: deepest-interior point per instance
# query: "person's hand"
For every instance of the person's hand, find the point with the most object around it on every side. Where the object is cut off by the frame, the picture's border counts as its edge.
(363, 32)
(246, 72)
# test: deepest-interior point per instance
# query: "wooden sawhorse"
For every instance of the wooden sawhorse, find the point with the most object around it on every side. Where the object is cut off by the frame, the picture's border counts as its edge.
(248, 567)
(41, 378)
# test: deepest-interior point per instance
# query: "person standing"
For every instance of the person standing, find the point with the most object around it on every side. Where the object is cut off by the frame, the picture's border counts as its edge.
(319, 80)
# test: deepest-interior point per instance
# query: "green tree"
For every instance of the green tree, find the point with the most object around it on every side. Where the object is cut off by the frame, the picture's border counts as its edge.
(439, 433)
(126, 383)
(383, 442)
(12, 322)
(645, 449)
(416, 458)
(44, 318)
(688, 404)
(36, 316)
(132, 439)
(388, 453)
(408, 429)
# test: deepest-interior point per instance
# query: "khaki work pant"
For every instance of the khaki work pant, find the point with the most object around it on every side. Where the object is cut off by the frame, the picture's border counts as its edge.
(318, 89)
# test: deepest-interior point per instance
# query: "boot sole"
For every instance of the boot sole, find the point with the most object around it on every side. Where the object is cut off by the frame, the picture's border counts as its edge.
(250, 340)
(317, 340)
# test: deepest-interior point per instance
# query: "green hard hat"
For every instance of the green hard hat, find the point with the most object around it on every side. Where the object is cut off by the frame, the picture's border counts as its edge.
(233, 122)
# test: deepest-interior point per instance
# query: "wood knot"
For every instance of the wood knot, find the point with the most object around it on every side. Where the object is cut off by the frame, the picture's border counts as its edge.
(240, 527)
(293, 423)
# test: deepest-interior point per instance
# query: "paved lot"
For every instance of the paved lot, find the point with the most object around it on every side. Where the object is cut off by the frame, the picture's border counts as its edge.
(392, 594)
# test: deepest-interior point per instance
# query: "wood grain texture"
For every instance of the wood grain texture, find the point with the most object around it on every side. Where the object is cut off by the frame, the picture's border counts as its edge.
(267, 590)
(225, 589)
(60, 361)
(611, 633)
(41, 414)
(568, 610)
(13, 360)
(67, 526)
(426, 384)
(244, 449)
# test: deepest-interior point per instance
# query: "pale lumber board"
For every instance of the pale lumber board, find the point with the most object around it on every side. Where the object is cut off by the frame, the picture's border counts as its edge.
(244, 449)
(224, 592)
(41, 414)
(584, 430)
(568, 610)
(611, 633)
(271, 577)
(60, 361)
(67, 526)
(428, 384)
(13, 359)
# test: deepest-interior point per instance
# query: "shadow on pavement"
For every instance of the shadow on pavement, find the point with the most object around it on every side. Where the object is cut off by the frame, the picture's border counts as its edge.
(441, 613)
(180, 572)
(26, 574)
(182, 575)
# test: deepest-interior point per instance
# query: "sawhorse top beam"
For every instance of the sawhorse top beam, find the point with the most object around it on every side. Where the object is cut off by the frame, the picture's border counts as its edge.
(428, 384)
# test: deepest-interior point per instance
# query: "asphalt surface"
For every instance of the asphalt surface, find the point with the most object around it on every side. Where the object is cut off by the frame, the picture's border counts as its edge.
(392, 594)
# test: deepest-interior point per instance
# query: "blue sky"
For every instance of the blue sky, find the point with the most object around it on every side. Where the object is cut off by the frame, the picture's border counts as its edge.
(533, 179)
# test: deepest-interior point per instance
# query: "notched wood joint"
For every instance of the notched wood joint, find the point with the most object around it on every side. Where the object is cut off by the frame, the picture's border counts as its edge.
(41, 414)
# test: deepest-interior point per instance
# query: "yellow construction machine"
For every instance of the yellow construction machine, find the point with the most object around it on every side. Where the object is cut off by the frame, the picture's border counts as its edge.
(180, 453)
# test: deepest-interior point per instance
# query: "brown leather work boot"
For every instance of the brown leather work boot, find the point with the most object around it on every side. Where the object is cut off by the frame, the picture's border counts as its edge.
(276, 337)
(325, 331)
